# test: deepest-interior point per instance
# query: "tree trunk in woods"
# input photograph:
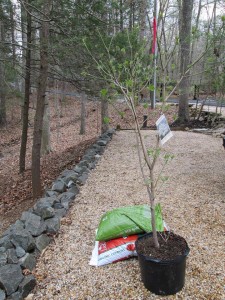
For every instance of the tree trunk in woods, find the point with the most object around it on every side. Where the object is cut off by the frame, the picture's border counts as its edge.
(2, 78)
(23, 24)
(83, 113)
(45, 142)
(131, 15)
(185, 46)
(121, 15)
(104, 115)
(25, 110)
(142, 18)
(42, 83)
(12, 21)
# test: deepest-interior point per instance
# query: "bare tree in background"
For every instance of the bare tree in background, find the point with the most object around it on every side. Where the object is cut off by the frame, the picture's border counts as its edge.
(46, 132)
(26, 102)
(186, 7)
(42, 83)
(2, 77)
(104, 115)
(83, 112)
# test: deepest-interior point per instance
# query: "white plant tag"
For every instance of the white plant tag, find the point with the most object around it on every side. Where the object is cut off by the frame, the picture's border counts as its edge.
(164, 130)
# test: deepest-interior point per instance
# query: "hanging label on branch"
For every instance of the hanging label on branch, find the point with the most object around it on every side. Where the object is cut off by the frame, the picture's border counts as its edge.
(164, 130)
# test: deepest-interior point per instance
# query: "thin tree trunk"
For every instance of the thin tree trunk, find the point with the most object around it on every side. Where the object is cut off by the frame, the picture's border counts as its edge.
(46, 132)
(23, 17)
(25, 109)
(83, 113)
(142, 18)
(121, 15)
(42, 83)
(185, 45)
(2, 79)
(104, 115)
(12, 12)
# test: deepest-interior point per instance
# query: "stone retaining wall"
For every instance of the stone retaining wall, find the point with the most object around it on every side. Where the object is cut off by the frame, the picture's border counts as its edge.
(22, 242)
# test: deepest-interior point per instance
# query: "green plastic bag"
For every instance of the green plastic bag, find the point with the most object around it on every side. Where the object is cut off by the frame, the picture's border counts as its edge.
(128, 220)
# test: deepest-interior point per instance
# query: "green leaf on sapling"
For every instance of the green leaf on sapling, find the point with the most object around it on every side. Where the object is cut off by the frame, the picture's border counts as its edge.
(147, 181)
(173, 66)
(166, 107)
(129, 83)
(154, 152)
(122, 114)
(145, 105)
(151, 88)
(164, 178)
(168, 157)
(104, 92)
(106, 120)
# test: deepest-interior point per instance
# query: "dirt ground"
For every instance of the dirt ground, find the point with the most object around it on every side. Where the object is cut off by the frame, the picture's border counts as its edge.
(67, 146)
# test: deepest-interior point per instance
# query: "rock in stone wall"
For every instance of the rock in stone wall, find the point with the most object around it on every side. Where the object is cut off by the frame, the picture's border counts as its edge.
(22, 242)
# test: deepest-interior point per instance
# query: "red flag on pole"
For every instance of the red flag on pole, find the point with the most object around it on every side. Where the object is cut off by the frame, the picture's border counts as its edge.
(154, 35)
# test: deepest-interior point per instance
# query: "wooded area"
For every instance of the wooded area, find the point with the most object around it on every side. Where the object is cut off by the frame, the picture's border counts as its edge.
(94, 48)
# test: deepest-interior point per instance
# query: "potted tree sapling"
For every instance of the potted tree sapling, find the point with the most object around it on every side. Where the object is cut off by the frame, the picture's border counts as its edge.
(126, 69)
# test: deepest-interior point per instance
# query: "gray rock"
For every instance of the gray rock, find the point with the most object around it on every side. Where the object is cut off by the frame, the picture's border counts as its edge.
(43, 208)
(98, 149)
(66, 198)
(6, 242)
(3, 258)
(58, 206)
(81, 170)
(65, 173)
(10, 278)
(110, 132)
(59, 213)
(47, 201)
(105, 136)
(71, 177)
(20, 252)
(2, 250)
(52, 225)
(23, 238)
(82, 179)
(97, 157)
(74, 189)
(47, 212)
(12, 257)
(82, 163)
(77, 169)
(102, 142)
(42, 242)
(33, 223)
(28, 261)
(90, 152)
(89, 158)
(2, 295)
(27, 285)
(59, 186)
(18, 225)
(51, 193)
(16, 296)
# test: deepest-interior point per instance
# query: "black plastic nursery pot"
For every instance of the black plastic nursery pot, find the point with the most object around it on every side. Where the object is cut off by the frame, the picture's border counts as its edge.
(162, 277)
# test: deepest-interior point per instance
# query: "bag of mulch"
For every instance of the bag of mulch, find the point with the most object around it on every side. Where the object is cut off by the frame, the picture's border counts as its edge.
(113, 251)
(128, 220)
(107, 252)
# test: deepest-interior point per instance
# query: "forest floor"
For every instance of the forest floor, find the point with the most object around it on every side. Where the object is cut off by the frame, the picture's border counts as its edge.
(67, 147)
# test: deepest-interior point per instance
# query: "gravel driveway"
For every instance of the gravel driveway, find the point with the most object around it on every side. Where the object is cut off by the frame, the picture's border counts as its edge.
(193, 206)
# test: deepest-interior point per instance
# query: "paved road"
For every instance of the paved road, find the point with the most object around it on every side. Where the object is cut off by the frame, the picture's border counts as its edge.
(209, 102)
